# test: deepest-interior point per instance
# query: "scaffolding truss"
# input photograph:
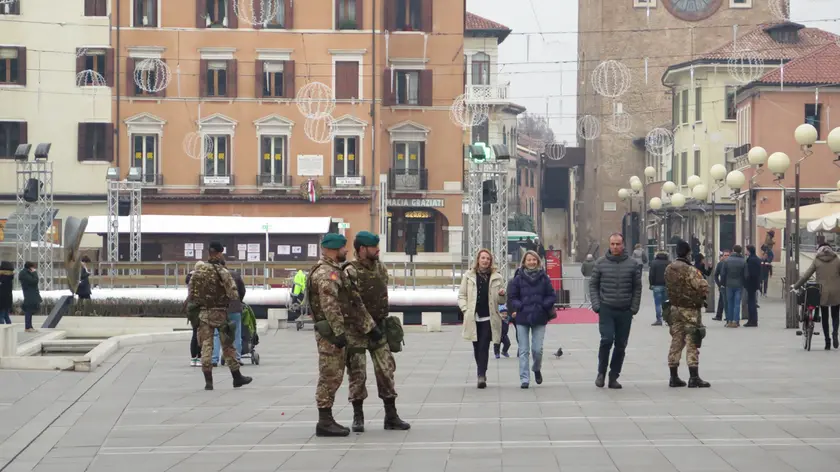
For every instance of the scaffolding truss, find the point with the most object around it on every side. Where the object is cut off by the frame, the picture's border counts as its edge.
(35, 240)
(131, 192)
(497, 237)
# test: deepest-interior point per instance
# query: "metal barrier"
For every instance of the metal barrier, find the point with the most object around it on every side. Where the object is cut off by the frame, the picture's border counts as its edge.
(573, 292)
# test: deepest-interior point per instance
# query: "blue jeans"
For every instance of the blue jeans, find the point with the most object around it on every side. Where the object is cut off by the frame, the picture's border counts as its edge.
(733, 304)
(530, 340)
(660, 294)
(237, 339)
(4, 317)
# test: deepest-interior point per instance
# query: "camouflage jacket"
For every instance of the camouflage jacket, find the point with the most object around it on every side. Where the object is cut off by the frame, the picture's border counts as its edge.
(685, 285)
(369, 283)
(212, 288)
(329, 294)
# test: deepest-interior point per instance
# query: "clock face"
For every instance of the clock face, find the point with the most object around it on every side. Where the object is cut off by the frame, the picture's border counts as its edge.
(692, 10)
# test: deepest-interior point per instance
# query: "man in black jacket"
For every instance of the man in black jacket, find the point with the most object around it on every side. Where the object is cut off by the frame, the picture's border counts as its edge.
(752, 286)
(616, 292)
(656, 278)
(721, 304)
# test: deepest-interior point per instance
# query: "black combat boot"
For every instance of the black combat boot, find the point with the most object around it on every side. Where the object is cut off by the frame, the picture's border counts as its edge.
(239, 379)
(358, 417)
(392, 419)
(614, 381)
(599, 380)
(327, 427)
(836, 341)
(675, 381)
(695, 381)
(208, 380)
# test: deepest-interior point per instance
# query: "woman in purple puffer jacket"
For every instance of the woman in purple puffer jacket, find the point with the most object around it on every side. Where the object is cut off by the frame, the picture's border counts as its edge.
(531, 299)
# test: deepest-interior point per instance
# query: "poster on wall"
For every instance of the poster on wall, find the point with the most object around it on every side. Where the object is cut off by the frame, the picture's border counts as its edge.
(553, 269)
(312, 250)
(253, 257)
(284, 249)
(297, 250)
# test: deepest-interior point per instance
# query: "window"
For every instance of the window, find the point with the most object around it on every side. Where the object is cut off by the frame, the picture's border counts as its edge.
(481, 69)
(409, 15)
(98, 60)
(683, 167)
(278, 20)
(216, 79)
(813, 116)
(12, 134)
(408, 87)
(348, 14)
(12, 8)
(13, 66)
(504, 135)
(96, 142)
(698, 104)
(481, 133)
(697, 170)
(346, 80)
(218, 162)
(731, 91)
(145, 156)
(217, 14)
(148, 74)
(272, 164)
(272, 79)
(145, 13)
(408, 165)
(345, 150)
(684, 107)
(96, 7)
(740, 3)
(675, 110)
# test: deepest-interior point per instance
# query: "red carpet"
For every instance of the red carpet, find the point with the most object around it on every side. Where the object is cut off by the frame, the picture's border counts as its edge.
(575, 316)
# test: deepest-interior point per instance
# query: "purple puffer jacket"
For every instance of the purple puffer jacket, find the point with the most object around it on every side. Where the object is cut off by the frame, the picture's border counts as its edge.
(532, 299)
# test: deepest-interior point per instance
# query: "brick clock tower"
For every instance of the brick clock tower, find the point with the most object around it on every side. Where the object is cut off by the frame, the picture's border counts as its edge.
(647, 36)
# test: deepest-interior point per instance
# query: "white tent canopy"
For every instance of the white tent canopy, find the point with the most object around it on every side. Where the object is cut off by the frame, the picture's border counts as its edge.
(807, 214)
(826, 224)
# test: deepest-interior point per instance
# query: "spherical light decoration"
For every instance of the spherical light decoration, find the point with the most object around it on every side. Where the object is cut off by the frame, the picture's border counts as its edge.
(634, 177)
(152, 75)
(678, 200)
(659, 142)
(589, 127)
(718, 172)
(669, 187)
(90, 78)
(623, 194)
(780, 9)
(319, 130)
(833, 140)
(466, 113)
(700, 192)
(620, 123)
(315, 100)
(693, 181)
(655, 203)
(256, 12)
(650, 172)
(735, 180)
(745, 66)
(80, 52)
(555, 151)
(757, 156)
(636, 185)
(778, 163)
(838, 185)
(805, 134)
(197, 145)
(611, 79)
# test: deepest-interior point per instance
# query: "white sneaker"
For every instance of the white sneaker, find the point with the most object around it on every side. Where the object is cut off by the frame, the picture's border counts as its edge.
(195, 362)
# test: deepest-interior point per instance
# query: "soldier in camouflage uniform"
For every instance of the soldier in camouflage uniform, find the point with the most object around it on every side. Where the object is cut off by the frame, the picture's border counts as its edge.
(328, 294)
(687, 290)
(212, 288)
(369, 285)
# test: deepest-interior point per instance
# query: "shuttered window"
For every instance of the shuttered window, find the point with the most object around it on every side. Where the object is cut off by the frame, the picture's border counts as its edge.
(346, 80)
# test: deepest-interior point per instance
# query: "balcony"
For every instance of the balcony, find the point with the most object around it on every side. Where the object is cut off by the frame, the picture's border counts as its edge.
(347, 181)
(215, 181)
(408, 180)
(498, 93)
(274, 181)
(152, 180)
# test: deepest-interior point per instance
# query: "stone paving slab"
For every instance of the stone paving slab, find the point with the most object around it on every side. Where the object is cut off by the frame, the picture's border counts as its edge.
(772, 407)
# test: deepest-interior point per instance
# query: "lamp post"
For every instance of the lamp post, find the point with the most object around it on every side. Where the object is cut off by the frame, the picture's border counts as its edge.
(637, 188)
(778, 163)
(718, 174)
(655, 204)
(757, 157)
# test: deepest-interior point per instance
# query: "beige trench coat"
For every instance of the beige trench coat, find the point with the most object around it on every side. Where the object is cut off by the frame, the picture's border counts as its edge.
(827, 267)
(467, 296)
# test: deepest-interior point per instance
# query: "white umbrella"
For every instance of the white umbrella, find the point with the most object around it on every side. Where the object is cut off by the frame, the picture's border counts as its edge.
(826, 224)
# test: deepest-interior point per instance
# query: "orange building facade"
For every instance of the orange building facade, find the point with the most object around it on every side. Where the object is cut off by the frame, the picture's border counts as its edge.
(206, 108)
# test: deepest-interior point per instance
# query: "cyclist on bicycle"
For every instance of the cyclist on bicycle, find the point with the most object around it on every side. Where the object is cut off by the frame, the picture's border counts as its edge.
(826, 265)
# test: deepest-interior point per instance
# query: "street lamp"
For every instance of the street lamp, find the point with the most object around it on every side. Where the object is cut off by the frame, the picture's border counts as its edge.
(700, 192)
(636, 185)
(678, 200)
(650, 171)
(669, 187)
(778, 163)
(833, 142)
(757, 156)
(623, 194)
(693, 181)
(656, 202)
(735, 180)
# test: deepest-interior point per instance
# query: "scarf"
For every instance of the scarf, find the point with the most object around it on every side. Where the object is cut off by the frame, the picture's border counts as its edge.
(532, 274)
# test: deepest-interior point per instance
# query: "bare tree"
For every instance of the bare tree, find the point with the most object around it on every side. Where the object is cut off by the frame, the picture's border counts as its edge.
(536, 127)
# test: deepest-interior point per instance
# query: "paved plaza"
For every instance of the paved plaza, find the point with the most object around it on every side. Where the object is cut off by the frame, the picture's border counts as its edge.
(772, 408)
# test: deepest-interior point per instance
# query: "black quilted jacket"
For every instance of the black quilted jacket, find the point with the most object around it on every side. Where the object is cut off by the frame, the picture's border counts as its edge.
(617, 283)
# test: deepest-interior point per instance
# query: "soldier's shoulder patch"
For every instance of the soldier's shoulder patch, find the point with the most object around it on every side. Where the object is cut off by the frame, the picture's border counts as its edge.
(333, 275)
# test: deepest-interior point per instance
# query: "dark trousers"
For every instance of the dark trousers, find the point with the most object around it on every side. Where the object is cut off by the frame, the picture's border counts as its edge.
(481, 348)
(721, 304)
(505, 345)
(614, 326)
(195, 348)
(835, 320)
(27, 319)
(752, 306)
(765, 281)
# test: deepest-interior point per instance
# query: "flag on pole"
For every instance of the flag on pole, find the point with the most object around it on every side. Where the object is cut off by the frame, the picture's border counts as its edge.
(311, 191)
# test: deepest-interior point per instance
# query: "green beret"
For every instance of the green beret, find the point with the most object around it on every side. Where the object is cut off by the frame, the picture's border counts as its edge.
(333, 241)
(366, 238)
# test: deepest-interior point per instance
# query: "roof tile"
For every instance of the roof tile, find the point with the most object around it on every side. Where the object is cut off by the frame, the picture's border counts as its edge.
(821, 66)
(478, 23)
(759, 42)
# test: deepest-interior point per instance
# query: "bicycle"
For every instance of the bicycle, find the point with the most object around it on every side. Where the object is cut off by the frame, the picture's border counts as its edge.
(808, 298)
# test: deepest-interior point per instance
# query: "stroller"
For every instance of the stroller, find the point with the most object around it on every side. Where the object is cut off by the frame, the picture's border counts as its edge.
(250, 338)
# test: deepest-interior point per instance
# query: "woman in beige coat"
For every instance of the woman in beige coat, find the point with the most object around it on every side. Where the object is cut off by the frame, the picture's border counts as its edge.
(482, 291)
(827, 267)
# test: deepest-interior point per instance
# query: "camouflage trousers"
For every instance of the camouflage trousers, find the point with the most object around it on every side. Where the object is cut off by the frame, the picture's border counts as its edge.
(331, 359)
(209, 322)
(683, 319)
(383, 368)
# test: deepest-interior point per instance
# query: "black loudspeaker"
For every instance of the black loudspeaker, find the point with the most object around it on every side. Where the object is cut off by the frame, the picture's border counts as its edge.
(30, 192)
(123, 207)
(488, 191)
(411, 246)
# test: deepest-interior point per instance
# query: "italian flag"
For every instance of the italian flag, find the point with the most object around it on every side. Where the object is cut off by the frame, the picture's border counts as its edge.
(313, 197)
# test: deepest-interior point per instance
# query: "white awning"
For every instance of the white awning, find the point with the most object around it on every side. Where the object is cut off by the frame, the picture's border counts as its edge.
(192, 224)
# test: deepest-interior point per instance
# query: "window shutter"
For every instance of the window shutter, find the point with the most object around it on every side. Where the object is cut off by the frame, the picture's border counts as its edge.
(89, 7)
(232, 90)
(162, 93)
(425, 93)
(200, 13)
(389, 12)
(21, 63)
(360, 14)
(259, 75)
(289, 80)
(202, 78)
(109, 67)
(81, 145)
(129, 76)
(109, 142)
(233, 20)
(257, 9)
(290, 14)
(389, 95)
(23, 133)
(426, 17)
(153, 21)
(421, 166)
(80, 60)
(337, 8)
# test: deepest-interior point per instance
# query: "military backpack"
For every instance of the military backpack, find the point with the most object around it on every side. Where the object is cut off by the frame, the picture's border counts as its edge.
(394, 333)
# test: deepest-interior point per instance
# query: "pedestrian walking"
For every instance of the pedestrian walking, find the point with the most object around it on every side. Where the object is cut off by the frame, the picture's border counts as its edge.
(721, 303)
(639, 255)
(329, 301)
(826, 266)
(586, 270)
(656, 279)
(616, 291)
(7, 282)
(235, 317)
(501, 349)
(28, 278)
(83, 291)
(212, 289)
(766, 271)
(688, 290)
(531, 298)
(733, 275)
(368, 279)
(482, 291)
(752, 285)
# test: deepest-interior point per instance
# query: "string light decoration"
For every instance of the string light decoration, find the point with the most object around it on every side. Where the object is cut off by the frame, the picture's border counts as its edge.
(319, 130)
(90, 78)
(81, 52)
(466, 113)
(256, 12)
(611, 79)
(589, 127)
(659, 141)
(197, 146)
(619, 122)
(555, 151)
(745, 66)
(315, 100)
(152, 75)
(779, 9)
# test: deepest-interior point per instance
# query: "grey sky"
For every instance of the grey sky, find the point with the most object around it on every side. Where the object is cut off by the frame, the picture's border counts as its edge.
(551, 75)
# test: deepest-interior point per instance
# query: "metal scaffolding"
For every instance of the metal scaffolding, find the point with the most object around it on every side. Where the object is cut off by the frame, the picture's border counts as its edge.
(34, 219)
(497, 172)
(133, 193)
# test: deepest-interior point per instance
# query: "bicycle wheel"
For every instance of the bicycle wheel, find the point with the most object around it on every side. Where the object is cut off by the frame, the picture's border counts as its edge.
(808, 334)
